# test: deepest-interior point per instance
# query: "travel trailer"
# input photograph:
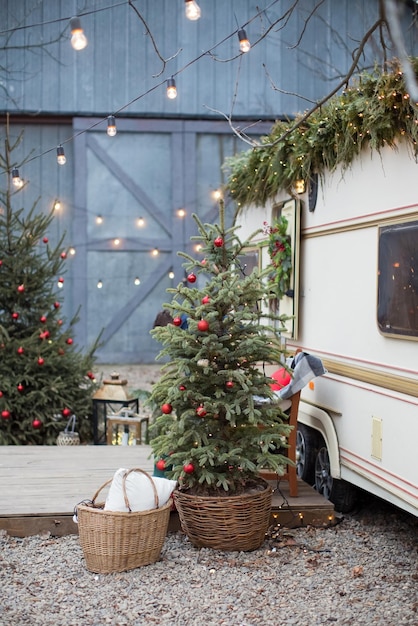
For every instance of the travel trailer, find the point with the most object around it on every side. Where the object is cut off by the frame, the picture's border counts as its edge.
(354, 304)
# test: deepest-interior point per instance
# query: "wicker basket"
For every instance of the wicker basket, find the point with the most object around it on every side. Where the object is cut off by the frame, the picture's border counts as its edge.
(236, 522)
(68, 436)
(115, 541)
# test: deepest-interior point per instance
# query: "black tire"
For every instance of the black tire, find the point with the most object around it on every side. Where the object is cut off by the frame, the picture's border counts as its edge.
(339, 492)
(306, 450)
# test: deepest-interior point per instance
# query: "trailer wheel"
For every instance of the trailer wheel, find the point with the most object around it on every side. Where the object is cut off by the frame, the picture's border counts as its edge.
(306, 450)
(339, 492)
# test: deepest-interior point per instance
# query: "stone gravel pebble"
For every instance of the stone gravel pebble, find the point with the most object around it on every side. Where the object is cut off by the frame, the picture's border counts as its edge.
(362, 571)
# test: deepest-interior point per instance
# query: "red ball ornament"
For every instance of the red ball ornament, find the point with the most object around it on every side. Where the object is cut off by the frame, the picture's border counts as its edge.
(188, 468)
(37, 423)
(177, 321)
(5, 415)
(69, 341)
(41, 361)
(63, 255)
(182, 388)
(192, 278)
(45, 240)
(15, 316)
(1, 263)
(166, 408)
(90, 375)
(66, 412)
(21, 288)
(61, 351)
(42, 319)
(56, 305)
(1, 394)
(205, 300)
(201, 411)
(229, 384)
(20, 387)
(160, 465)
(203, 326)
(59, 322)
(20, 350)
(218, 242)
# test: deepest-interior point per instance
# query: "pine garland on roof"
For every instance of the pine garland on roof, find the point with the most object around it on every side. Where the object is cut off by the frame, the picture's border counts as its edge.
(374, 111)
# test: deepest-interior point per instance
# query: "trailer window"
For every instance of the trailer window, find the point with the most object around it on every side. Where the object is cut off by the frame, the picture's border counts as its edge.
(397, 305)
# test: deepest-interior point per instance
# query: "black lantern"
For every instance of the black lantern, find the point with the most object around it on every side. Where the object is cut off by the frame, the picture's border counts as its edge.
(109, 399)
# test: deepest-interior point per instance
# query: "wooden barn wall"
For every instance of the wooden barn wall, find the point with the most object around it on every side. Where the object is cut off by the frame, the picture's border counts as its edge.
(120, 65)
(167, 153)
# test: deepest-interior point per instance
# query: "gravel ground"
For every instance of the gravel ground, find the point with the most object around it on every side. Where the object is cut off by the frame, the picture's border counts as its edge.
(363, 571)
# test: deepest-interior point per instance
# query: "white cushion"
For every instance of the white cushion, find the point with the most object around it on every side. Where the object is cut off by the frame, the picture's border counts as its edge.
(139, 491)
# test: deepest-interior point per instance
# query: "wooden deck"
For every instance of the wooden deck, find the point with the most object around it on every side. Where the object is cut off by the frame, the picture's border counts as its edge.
(40, 486)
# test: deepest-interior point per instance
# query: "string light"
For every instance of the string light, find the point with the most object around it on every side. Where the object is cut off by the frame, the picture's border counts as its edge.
(16, 180)
(181, 213)
(111, 126)
(155, 252)
(137, 281)
(57, 205)
(171, 88)
(61, 160)
(71, 251)
(99, 284)
(116, 241)
(192, 10)
(99, 219)
(78, 38)
(171, 275)
(140, 222)
(244, 44)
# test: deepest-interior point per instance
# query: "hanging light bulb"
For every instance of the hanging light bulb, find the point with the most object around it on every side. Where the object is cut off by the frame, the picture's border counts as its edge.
(16, 180)
(140, 222)
(99, 284)
(155, 252)
(61, 160)
(72, 251)
(181, 212)
(171, 275)
(137, 281)
(99, 219)
(171, 88)
(244, 44)
(57, 205)
(78, 38)
(111, 126)
(192, 10)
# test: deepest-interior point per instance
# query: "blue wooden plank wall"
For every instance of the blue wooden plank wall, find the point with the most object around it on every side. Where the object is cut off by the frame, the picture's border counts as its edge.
(167, 153)
(120, 64)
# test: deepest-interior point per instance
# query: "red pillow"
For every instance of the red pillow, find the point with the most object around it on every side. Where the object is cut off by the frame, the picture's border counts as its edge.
(282, 378)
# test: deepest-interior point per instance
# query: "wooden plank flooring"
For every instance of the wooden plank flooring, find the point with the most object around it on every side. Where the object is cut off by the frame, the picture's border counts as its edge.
(40, 486)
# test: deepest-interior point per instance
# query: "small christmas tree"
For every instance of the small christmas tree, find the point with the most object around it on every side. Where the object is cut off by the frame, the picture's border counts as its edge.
(214, 434)
(43, 378)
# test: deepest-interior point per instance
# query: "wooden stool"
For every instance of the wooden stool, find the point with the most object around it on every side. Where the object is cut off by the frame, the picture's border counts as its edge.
(291, 474)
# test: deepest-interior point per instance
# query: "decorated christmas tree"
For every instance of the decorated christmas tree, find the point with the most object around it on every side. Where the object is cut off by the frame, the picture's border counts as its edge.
(216, 431)
(44, 379)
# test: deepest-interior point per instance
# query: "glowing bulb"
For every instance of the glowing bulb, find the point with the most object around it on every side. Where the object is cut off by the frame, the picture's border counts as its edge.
(116, 241)
(57, 205)
(192, 10)
(99, 284)
(217, 194)
(300, 186)
(72, 251)
(61, 160)
(111, 126)
(244, 44)
(99, 219)
(78, 38)
(60, 284)
(140, 222)
(137, 281)
(16, 180)
(171, 275)
(155, 252)
(181, 213)
(198, 247)
(171, 88)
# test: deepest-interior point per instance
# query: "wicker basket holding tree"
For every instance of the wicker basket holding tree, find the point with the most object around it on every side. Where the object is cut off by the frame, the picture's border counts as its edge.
(212, 434)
